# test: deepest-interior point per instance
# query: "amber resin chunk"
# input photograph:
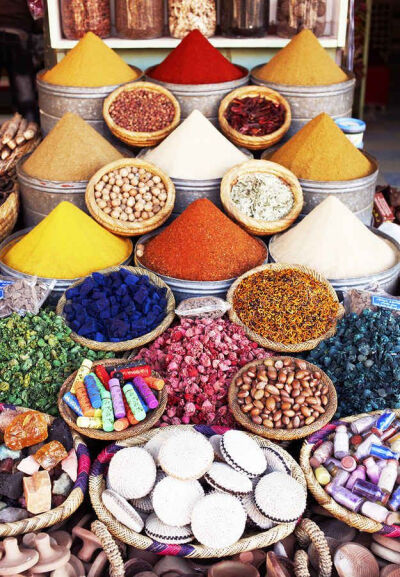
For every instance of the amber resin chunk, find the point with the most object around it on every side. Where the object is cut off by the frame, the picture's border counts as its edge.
(50, 455)
(25, 430)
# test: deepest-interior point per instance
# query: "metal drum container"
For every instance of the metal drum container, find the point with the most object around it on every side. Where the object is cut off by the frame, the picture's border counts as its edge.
(306, 102)
(357, 194)
(387, 280)
(39, 197)
(203, 97)
(56, 100)
(60, 286)
(184, 289)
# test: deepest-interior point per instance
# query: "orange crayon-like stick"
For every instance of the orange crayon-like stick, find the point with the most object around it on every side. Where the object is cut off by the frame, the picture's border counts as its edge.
(121, 424)
(83, 399)
(129, 414)
(154, 383)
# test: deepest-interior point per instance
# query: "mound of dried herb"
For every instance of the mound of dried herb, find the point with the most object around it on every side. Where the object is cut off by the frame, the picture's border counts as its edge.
(36, 356)
(255, 115)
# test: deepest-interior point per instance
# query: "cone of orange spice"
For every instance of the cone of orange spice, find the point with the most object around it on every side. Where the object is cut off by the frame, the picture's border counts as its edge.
(286, 306)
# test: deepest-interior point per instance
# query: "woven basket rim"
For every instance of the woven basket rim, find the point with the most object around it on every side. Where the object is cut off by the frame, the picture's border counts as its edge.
(254, 225)
(355, 520)
(70, 418)
(9, 212)
(280, 347)
(130, 228)
(132, 343)
(282, 434)
(73, 500)
(261, 539)
(254, 142)
(130, 136)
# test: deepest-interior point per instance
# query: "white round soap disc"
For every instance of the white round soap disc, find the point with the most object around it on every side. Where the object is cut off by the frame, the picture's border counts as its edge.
(243, 453)
(186, 455)
(131, 473)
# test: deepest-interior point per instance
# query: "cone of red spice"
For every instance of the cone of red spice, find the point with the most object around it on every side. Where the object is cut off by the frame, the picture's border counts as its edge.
(195, 61)
(203, 244)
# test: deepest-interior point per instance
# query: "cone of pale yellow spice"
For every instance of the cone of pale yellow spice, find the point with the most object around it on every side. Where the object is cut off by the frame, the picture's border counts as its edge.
(72, 151)
(321, 151)
(67, 244)
(302, 62)
(91, 63)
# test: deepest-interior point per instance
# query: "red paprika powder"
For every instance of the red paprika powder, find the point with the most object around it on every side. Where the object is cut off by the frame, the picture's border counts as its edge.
(195, 61)
(203, 244)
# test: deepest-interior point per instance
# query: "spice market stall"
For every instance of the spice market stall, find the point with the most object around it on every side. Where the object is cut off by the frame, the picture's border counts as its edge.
(260, 307)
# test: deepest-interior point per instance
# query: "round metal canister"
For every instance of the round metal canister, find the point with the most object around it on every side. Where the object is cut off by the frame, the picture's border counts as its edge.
(184, 289)
(55, 100)
(60, 285)
(306, 102)
(387, 280)
(203, 97)
(39, 197)
(357, 194)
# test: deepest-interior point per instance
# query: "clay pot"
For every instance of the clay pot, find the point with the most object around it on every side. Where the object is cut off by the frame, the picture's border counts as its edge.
(16, 560)
(90, 543)
(355, 560)
(170, 564)
(255, 558)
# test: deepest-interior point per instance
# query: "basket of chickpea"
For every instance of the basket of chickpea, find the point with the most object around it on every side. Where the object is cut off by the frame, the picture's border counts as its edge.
(130, 197)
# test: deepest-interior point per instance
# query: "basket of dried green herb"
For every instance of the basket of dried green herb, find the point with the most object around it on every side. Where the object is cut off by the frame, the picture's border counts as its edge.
(255, 117)
(286, 308)
(263, 197)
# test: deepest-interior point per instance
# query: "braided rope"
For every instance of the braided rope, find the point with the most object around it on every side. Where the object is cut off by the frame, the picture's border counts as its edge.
(110, 549)
(308, 532)
(301, 564)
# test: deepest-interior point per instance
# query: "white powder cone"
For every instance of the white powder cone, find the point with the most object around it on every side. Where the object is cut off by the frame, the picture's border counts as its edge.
(218, 520)
(195, 150)
(334, 242)
(242, 453)
(173, 500)
(131, 473)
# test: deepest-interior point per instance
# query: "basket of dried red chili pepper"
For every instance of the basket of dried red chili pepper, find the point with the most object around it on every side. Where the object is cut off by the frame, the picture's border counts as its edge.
(254, 117)
(286, 308)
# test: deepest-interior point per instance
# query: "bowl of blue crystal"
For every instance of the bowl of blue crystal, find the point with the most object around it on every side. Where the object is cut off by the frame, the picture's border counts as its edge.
(117, 309)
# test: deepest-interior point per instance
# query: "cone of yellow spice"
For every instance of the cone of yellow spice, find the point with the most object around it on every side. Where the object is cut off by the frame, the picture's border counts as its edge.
(302, 62)
(90, 63)
(67, 244)
(72, 151)
(321, 151)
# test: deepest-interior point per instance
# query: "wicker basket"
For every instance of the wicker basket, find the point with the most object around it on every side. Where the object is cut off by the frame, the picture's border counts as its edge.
(110, 548)
(254, 142)
(133, 343)
(126, 228)
(140, 139)
(8, 165)
(266, 343)
(253, 225)
(141, 541)
(356, 520)
(9, 212)
(72, 502)
(281, 434)
(132, 431)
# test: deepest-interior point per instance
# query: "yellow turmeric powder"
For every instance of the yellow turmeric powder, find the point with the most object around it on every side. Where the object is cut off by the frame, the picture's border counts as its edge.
(67, 244)
(72, 150)
(303, 62)
(90, 63)
(321, 151)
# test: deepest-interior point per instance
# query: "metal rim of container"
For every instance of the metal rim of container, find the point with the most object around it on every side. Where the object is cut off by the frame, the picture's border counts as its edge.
(53, 186)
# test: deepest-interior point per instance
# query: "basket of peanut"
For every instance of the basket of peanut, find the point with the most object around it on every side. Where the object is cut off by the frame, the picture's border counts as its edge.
(282, 398)
(130, 197)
